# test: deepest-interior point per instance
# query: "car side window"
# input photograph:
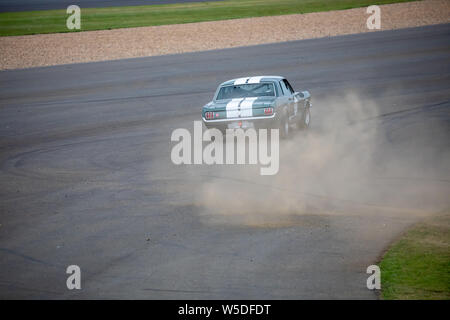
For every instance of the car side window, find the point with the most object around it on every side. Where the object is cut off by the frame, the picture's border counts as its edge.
(281, 88)
(277, 90)
(288, 85)
(284, 88)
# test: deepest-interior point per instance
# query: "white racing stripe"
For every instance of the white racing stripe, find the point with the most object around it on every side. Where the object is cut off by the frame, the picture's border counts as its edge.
(246, 108)
(232, 108)
(240, 81)
(254, 80)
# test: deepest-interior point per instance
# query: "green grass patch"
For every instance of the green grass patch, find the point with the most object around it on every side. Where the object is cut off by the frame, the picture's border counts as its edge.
(418, 265)
(51, 21)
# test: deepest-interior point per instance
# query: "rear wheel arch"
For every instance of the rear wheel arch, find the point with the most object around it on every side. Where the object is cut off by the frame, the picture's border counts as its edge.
(284, 123)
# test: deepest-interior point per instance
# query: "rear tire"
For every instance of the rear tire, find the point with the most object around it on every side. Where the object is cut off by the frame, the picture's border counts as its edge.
(305, 120)
(284, 126)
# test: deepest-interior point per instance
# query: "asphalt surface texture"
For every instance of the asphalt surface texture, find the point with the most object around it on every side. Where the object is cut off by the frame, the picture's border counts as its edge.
(33, 5)
(86, 176)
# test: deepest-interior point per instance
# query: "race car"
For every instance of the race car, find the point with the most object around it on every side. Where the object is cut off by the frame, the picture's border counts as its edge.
(258, 102)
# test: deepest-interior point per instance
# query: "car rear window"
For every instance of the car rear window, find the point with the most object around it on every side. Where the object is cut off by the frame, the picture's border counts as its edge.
(263, 89)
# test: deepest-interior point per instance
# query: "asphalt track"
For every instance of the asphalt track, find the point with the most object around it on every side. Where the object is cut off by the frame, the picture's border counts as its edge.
(32, 5)
(86, 176)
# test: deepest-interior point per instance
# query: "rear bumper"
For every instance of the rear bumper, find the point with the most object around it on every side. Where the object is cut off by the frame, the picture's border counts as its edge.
(261, 122)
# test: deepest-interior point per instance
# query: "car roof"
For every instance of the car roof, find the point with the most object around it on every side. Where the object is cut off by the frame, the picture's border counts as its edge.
(252, 79)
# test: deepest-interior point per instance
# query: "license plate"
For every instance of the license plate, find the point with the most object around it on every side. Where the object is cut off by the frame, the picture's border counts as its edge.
(240, 124)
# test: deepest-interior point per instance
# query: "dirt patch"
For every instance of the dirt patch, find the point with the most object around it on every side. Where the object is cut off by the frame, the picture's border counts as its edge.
(65, 48)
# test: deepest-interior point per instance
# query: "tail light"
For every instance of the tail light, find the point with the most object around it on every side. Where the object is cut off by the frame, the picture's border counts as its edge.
(268, 111)
(209, 115)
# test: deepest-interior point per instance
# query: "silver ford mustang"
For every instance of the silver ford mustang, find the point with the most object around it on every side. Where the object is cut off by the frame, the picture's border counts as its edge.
(258, 102)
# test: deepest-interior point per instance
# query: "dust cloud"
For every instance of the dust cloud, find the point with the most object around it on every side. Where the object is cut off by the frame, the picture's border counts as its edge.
(357, 158)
